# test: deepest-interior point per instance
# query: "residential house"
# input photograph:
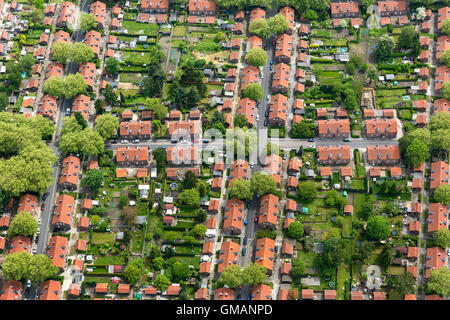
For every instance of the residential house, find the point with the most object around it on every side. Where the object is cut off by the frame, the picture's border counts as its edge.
(278, 109)
(135, 130)
(233, 216)
(333, 128)
(70, 169)
(62, 213)
(437, 217)
(228, 255)
(383, 154)
(384, 128)
(268, 212)
(264, 255)
(132, 156)
(439, 174)
(238, 170)
(56, 250)
(334, 155)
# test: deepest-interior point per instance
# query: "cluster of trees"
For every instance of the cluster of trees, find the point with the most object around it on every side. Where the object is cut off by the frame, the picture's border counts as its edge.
(442, 194)
(76, 137)
(259, 184)
(156, 77)
(311, 8)
(23, 224)
(70, 86)
(107, 125)
(439, 282)
(377, 228)
(188, 87)
(233, 277)
(335, 200)
(253, 91)
(113, 66)
(410, 39)
(414, 146)
(159, 110)
(332, 255)
(23, 266)
(440, 130)
(15, 70)
(385, 47)
(132, 271)
(256, 57)
(273, 26)
(94, 179)
(87, 22)
(76, 52)
(193, 189)
(355, 64)
(25, 159)
(241, 4)
(304, 129)
(307, 190)
(295, 230)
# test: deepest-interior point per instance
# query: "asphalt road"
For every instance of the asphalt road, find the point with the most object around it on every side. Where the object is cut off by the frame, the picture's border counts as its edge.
(46, 214)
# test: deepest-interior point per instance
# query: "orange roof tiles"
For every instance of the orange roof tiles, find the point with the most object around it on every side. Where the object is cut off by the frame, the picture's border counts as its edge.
(11, 290)
(28, 203)
(439, 174)
(437, 217)
(435, 259)
(63, 210)
(261, 292)
(233, 217)
(50, 290)
(229, 255)
(56, 250)
(265, 252)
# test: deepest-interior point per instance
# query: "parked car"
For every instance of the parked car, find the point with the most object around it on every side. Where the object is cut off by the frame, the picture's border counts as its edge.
(35, 249)
(346, 139)
(267, 112)
(39, 221)
(276, 249)
(311, 140)
(205, 141)
(284, 156)
(136, 141)
(268, 97)
(256, 219)
(249, 296)
(43, 207)
(245, 241)
(245, 222)
(243, 251)
(274, 41)
(252, 165)
(113, 141)
(28, 283)
(238, 297)
(45, 196)
(124, 141)
(448, 252)
(266, 122)
(271, 62)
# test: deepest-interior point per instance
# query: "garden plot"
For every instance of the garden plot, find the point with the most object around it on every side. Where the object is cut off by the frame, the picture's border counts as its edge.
(215, 57)
(147, 29)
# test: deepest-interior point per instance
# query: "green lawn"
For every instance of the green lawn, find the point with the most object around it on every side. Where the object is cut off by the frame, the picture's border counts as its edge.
(347, 227)
(102, 237)
(130, 78)
(311, 259)
(194, 261)
(138, 241)
(97, 279)
(342, 276)
(110, 260)
(136, 58)
(179, 31)
(148, 29)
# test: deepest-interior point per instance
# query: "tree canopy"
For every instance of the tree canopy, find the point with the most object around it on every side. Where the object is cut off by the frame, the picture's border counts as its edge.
(385, 46)
(254, 274)
(256, 57)
(160, 111)
(107, 125)
(23, 224)
(240, 189)
(260, 27)
(278, 24)
(24, 266)
(189, 197)
(262, 183)
(307, 190)
(295, 230)
(440, 282)
(87, 21)
(377, 228)
(231, 277)
(442, 194)
(112, 66)
(253, 91)
(94, 179)
(442, 238)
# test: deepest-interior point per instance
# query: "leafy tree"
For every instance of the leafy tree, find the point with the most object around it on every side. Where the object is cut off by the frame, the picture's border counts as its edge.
(266, 233)
(303, 129)
(23, 224)
(88, 142)
(254, 274)
(132, 273)
(54, 86)
(199, 231)
(440, 139)
(446, 27)
(260, 27)
(155, 80)
(201, 186)
(61, 51)
(109, 94)
(416, 153)
(70, 125)
(253, 91)
(162, 283)
(240, 120)
(240, 189)
(80, 53)
(107, 125)
(130, 214)
(95, 220)
(385, 47)
(257, 57)
(74, 85)
(41, 268)
(3, 101)
(112, 66)
(442, 194)
(333, 253)
(181, 271)
(219, 37)
(190, 180)
(80, 119)
(94, 179)
(406, 37)
(87, 22)
(262, 183)
(160, 111)
(307, 190)
(157, 263)
(362, 252)
(278, 24)
(442, 238)
(231, 277)
(39, 4)
(420, 13)
(308, 243)
(446, 89)
(23, 266)
(377, 228)
(404, 283)
(298, 269)
(159, 154)
(295, 230)
(386, 256)
(189, 197)
(440, 120)
(440, 281)
(311, 15)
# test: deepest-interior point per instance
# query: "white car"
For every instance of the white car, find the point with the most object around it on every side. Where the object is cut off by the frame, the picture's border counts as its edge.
(35, 249)
(268, 97)
(448, 252)
(39, 221)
